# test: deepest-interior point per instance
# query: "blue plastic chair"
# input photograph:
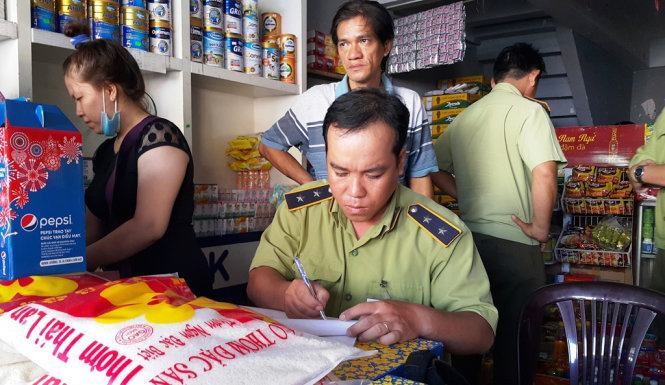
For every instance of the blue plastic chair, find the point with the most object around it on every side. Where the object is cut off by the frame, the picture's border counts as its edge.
(600, 352)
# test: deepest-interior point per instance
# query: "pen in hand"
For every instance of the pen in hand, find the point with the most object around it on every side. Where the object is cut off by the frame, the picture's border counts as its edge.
(301, 269)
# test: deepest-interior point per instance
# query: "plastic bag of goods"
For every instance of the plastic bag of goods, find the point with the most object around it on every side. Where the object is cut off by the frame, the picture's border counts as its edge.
(152, 330)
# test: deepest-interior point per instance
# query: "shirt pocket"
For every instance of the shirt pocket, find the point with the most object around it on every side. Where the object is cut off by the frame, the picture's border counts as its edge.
(406, 292)
(324, 274)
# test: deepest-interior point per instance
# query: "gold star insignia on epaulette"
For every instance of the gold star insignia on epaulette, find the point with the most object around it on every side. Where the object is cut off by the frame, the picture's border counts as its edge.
(435, 225)
(542, 103)
(304, 198)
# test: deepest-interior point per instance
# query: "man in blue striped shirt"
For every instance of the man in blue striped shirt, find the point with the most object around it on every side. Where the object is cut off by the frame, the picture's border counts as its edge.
(363, 32)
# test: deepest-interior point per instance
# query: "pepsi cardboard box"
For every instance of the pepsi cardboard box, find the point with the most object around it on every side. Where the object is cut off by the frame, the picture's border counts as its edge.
(42, 211)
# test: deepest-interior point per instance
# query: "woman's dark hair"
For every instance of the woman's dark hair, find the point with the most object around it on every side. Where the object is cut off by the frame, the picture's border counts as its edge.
(374, 13)
(101, 61)
(355, 110)
(516, 61)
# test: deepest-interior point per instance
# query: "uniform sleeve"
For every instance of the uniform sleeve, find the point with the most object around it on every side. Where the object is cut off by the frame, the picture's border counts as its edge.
(460, 283)
(421, 157)
(279, 243)
(537, 142)
(444, 155)
(649, 150)
(289, 131)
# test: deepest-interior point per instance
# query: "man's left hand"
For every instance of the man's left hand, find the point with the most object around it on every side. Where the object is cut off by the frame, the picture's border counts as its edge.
(384, 321)
(631, 173)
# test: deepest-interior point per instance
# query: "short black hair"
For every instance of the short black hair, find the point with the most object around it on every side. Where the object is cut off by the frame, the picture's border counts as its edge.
(355, 110)
(516, 61)
(373, 12)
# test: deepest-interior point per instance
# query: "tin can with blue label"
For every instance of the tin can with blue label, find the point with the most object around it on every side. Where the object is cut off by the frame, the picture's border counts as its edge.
(233, 53)
(196, 9)
(252, 58)
(250, 8)
(270, 61)
(43, 15)
(287, 44)
(196, 39)
(134, 28)
(70, 11)
(104, 19)
(160, 10)
(233, 17)
(250, 28)
(213, 14)
(160, 37)
(213, 47)
(135, 3)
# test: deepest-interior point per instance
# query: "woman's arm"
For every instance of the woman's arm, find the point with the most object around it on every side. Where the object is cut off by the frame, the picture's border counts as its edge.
(160, 174)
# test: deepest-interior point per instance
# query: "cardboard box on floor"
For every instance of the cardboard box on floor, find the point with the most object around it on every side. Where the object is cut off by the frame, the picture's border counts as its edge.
(621, 275)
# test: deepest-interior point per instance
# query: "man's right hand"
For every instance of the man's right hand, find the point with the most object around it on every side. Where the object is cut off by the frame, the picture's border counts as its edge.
(299, 303)
(533, 231)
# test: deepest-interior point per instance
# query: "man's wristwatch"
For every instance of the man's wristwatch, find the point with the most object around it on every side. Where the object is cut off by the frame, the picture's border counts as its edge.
(639, 171)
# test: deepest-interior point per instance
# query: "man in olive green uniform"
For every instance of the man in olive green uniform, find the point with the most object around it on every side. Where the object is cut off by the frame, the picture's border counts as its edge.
(647, 168)
(504, 154)
(364, 236)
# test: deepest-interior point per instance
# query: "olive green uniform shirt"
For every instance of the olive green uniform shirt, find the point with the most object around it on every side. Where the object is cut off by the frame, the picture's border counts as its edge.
(492, 148)
(395, 259)
(655, 151)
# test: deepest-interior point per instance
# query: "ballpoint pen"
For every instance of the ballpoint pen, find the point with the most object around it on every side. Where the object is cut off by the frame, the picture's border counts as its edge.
(301, 269)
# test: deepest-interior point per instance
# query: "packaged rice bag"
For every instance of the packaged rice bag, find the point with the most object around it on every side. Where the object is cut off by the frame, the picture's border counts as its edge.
(29, 289)
(608, 174)
(583, 173)
(152, 330)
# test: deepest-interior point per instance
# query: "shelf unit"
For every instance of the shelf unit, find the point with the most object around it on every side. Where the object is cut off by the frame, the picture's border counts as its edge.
(210, 104)
(325, 74)
(637, 239)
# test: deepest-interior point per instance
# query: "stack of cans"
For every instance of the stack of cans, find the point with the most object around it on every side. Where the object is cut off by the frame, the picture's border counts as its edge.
(43, 14)
(252, 53)
(213, 32)
(287, 58)
(196, 30)
(134, 24)
(104, 17)
(70, 11)
(234, 47)
(160, 26)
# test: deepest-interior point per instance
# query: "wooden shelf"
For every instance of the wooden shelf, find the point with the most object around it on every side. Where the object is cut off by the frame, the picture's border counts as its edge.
(325, 74)
(8, 30)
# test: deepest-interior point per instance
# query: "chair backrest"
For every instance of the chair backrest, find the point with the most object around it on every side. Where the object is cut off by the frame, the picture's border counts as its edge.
(605, 324)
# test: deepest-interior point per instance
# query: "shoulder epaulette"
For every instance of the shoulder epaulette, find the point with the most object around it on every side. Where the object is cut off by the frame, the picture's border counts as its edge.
(434, 224)
(542, 103)
(304, 198)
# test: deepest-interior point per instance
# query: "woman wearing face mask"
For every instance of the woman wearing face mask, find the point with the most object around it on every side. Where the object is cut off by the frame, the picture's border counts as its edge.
(140, 202)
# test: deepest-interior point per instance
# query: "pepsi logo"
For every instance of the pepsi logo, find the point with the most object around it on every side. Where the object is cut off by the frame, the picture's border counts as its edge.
(29, 222)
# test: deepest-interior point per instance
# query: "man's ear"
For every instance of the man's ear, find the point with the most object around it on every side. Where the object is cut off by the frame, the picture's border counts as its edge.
(534, 76)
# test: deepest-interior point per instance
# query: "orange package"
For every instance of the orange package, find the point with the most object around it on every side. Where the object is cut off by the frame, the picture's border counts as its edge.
(622, 190)
(575, 189)
(583, 173)
(608, 175)
(598, 189)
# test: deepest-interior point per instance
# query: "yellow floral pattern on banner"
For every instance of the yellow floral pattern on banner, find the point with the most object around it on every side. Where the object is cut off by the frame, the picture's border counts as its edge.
(40, 287)
(138, 299)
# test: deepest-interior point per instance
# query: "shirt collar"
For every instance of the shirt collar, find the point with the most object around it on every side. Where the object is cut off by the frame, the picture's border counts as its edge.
(343, 86)
(508, 88)
(386, 223)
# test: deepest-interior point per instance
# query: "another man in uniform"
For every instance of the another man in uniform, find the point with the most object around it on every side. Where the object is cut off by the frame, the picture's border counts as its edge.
(647, 168)
(365, 236)
(504, 154)
(363, 32)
